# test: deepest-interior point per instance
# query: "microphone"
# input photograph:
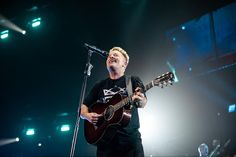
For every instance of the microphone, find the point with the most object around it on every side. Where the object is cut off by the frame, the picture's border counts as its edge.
(96, 50)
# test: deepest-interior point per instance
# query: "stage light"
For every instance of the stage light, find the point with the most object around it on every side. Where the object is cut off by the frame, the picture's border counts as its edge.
(231, 108)
(23, 32)
(36, 22)
(65, 128)
(6, 23)
(189, 68)
(4, 34)
(183, 27)
(17, 139)
(173, 38)
(8, 141)
(39, 144)
(30, 132)
(172, 68)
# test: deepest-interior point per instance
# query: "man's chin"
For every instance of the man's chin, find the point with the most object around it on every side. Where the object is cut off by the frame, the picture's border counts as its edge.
(111, 68)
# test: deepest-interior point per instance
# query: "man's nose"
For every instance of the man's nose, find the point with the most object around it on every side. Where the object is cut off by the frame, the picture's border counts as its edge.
(111, 56)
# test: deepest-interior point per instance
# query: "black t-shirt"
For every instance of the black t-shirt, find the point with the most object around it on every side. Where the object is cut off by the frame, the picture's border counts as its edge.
(104, 90)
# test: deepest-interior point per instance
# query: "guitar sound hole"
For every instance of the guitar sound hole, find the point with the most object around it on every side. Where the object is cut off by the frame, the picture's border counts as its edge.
(109, 112)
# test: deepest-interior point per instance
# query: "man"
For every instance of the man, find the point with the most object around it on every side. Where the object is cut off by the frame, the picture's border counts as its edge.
(127, 140)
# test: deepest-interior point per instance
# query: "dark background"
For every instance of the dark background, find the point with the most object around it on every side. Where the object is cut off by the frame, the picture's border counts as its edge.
(42, 72)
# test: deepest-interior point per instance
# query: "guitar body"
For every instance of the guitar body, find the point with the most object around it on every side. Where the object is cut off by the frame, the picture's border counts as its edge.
(106, 126)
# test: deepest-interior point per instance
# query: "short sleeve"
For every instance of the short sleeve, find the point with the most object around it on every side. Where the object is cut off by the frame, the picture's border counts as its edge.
(136, 82)
(92, 96)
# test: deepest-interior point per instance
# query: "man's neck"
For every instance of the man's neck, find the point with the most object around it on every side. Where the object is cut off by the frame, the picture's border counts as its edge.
(115, 76)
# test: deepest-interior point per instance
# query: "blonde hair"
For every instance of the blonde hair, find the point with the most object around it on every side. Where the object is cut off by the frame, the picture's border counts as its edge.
(122, 51)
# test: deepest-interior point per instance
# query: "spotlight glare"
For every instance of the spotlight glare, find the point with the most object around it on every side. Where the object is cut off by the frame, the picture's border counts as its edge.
(23, 32)
(36, 22)
(189, 68)
(231, 108)
(17, 139)
(65, 127)
(30, 132)
(4, 34)
(173, 38)
(9, 25)
(39, 144)
(172, 68)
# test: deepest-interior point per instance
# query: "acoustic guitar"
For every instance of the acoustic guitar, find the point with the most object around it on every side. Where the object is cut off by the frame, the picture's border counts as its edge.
(114, 113)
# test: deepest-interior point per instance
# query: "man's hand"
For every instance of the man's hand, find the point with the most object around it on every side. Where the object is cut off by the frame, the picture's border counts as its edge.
(139, 97)
(92, 117)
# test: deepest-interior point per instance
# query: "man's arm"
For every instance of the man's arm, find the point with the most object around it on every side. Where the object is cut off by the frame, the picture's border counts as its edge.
(92, 117)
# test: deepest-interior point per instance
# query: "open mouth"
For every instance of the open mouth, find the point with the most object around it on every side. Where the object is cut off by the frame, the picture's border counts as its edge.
(113, 61)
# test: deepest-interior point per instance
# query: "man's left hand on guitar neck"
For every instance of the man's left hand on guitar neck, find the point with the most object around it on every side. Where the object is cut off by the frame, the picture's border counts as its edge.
(139, 97)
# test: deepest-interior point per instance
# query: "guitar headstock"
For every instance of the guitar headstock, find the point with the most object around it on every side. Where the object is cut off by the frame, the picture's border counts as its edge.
(164, 79)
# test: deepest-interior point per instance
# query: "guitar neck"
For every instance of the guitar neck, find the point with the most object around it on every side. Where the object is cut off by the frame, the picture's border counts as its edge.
(148, 86)
(128, 99)
(123, 102)
(164, 79)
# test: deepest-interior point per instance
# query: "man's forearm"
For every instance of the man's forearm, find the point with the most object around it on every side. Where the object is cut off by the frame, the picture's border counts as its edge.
(84, 110)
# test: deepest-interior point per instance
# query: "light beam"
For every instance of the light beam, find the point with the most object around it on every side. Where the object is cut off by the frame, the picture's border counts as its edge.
(8, 141)
(8, 24)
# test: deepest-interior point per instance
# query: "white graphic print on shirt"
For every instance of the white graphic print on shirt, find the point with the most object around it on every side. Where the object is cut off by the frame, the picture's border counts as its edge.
(109, 93)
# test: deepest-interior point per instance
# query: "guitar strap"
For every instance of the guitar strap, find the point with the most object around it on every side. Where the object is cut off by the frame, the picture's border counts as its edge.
(129, 89)
(128, 85)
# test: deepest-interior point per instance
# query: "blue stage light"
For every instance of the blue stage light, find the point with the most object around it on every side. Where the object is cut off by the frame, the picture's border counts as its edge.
(173, 38)
(231, 108)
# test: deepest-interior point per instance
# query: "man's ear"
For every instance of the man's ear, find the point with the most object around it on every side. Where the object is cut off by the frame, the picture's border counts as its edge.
(124, 65)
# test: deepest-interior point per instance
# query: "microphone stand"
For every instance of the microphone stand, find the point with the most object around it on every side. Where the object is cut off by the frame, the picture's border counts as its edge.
(215, 151)
(87, 73)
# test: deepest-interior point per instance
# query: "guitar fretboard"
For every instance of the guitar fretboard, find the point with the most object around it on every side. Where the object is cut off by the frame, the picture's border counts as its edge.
(128, 99)
(148, 86)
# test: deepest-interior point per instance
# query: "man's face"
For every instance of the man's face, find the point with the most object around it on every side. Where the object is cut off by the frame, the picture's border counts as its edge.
(115, 60)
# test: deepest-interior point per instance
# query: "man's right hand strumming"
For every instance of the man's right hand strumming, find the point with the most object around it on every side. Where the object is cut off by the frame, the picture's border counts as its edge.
(92, 117)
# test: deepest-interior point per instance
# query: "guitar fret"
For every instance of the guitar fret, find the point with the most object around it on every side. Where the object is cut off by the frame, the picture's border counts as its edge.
(122, 103)
(125, 102)
(149, 85)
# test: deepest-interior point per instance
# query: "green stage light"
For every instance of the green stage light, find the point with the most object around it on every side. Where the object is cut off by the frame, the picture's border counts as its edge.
(65, 128)
(30, 132)
(4, 34)
(36, 22)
